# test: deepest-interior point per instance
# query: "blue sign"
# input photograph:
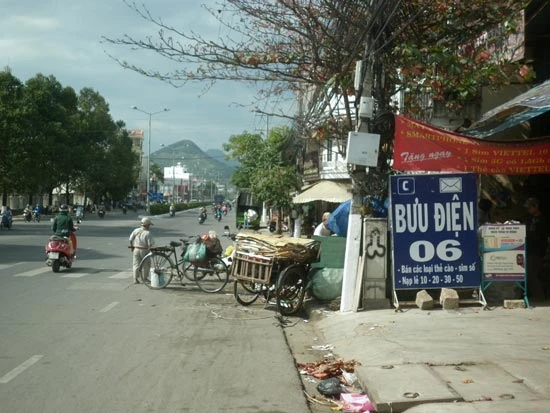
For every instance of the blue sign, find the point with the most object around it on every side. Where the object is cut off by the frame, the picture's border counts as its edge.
(156, 196)
(434, 230)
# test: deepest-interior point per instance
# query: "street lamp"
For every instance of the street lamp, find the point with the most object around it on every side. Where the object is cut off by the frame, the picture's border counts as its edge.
(150, 114)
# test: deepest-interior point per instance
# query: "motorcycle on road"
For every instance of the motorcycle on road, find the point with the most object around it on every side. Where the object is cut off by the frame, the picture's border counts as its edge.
(60, 251)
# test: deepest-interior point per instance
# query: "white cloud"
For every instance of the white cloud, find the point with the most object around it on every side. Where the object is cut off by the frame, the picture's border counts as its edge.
(63, 38)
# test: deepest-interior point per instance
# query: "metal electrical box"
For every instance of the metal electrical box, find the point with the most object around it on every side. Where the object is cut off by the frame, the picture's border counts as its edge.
(363, 148)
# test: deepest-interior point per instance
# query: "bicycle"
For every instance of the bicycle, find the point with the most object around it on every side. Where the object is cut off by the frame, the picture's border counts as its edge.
(211, 275)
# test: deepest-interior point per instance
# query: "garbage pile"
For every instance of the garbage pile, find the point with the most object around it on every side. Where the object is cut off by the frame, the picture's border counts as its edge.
(338, 385)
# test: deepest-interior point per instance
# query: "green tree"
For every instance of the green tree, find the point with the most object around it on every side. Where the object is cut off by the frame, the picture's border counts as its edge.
(12, 127)
(51, 111)
(268, 167)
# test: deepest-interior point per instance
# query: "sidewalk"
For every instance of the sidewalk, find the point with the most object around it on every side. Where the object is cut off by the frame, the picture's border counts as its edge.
(438, 361)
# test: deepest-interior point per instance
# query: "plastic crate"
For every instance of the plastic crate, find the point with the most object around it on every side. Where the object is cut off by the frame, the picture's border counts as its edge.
(253, 268)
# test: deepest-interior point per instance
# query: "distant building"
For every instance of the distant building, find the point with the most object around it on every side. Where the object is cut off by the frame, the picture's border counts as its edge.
(137, 137)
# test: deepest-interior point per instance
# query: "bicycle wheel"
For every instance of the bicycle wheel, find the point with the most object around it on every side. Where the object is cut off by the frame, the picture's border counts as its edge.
(291, 289)
(158, 265)
(187, 271)
(213, 276)
(246, 292)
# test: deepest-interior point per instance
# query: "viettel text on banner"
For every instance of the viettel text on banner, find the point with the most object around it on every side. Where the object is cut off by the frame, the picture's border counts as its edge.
(434, 229)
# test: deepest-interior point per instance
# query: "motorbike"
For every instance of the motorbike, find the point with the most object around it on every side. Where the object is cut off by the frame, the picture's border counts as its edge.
(27, 215)
(60, 252)
(172, 212)
(6, 222)
(79, 215)
(219, 215)
(124, 209)
(36, 216)
(202, 218)
(101, 213)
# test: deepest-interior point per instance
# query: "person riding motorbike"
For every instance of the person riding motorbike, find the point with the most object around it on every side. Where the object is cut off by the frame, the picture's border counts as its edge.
(27, 213)
(202, 214)
(63, 226)
(37, 210)
(6, 217)
(172, 210)
(79, 213)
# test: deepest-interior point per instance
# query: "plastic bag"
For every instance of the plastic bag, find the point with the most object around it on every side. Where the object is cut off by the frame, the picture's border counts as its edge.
(326, 283)
(330, 387)
(356, 402)
(195, 252)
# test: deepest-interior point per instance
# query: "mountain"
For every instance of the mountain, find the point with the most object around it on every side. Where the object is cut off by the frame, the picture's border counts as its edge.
(220, 155)
(197, 162)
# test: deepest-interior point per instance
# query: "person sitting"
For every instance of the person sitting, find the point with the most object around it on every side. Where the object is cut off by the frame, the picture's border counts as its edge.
(321, 229)
(213, 244)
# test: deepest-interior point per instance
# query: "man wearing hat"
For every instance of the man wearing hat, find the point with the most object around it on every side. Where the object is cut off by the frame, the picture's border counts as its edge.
(537, 242)
(141, 240)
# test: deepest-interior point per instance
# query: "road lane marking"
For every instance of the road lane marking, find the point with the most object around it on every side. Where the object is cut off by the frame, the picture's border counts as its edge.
(109, 307)
(32, 273)
(75, 275)
(6, 266)
(122, 275)
(6, 378)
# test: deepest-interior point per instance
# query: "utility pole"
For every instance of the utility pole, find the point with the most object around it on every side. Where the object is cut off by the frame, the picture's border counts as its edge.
(354, 257)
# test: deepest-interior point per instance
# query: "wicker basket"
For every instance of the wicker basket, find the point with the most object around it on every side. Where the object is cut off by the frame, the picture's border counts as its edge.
(251, 267)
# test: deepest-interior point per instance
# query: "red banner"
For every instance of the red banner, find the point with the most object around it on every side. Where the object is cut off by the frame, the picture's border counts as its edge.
(422, 147)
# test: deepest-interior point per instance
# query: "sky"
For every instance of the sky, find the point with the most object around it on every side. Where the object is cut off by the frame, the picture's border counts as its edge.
(63, 38)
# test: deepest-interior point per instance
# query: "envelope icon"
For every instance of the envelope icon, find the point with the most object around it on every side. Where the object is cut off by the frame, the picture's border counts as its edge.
(450, 185)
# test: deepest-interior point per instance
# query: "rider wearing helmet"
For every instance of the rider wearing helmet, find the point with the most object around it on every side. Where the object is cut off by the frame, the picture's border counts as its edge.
(63, 225)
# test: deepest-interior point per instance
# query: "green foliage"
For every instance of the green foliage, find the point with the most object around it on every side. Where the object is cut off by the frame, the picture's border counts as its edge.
(58, 137)
(454, 49)
(266, 168)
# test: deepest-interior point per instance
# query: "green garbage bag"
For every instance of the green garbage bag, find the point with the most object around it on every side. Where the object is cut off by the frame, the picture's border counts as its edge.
(326, 283)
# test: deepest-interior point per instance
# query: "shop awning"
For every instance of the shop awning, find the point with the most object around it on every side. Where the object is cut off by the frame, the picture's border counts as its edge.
(328, 191)
(528, 105)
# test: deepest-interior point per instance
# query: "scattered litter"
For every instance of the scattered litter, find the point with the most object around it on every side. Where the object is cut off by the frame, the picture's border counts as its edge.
(546, 348)
(467, 381)
(324, 347)
(331, 387)
(325, 369)
(356, 402)
(349, 378)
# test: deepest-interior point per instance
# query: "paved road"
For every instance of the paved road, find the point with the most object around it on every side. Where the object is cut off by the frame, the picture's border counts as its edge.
(88, 340)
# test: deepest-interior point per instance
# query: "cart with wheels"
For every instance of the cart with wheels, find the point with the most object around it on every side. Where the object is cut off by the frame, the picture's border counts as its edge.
(273, 269)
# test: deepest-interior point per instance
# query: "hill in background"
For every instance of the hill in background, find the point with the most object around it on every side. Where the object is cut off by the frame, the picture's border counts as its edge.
(210, 166)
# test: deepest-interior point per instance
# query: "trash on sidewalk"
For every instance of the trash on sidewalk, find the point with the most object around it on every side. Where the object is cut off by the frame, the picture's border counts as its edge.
(324, 347)
(325, 369)
(331, 387)
(356, 402)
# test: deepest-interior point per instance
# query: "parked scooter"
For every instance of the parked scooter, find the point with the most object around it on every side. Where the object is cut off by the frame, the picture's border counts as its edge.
(61, 252)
